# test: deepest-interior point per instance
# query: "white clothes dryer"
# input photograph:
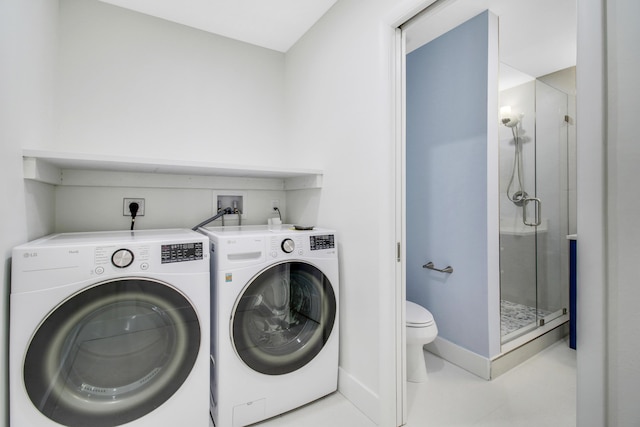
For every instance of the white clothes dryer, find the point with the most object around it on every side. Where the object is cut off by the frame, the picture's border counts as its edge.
(274, 320)
(110, 329)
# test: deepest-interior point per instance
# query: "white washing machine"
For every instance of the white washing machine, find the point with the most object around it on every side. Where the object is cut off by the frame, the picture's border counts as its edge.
(274, 320)
(110, 329)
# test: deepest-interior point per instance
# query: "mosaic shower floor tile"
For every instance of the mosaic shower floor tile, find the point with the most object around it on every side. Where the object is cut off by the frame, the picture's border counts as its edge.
(514, 316)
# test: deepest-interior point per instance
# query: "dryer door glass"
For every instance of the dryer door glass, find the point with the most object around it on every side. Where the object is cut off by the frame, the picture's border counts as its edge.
(112, 353)
(283, 318)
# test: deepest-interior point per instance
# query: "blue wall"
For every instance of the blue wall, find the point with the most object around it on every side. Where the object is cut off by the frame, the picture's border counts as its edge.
(446, 172)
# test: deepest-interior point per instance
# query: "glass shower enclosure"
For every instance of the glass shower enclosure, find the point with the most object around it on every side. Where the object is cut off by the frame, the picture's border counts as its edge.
(536, 154)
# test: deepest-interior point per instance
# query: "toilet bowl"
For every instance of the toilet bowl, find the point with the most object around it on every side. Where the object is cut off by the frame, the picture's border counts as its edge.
(421, 330)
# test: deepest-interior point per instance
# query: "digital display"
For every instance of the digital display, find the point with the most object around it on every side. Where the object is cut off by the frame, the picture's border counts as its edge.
(179, 252)
(325, 241)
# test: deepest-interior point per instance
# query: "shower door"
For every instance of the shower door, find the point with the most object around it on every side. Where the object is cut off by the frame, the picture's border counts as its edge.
(534, 205)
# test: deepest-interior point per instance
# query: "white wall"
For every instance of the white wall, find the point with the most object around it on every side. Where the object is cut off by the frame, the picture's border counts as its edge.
(79, 208)
(608, 232)
(131, 84)
(338, 91)
(134, 85)
(40, 202)
(623, 87)
(591, 280)
(27, 50)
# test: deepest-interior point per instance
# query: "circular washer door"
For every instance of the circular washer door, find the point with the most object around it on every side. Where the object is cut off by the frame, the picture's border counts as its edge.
(283, 318)
(112, 353)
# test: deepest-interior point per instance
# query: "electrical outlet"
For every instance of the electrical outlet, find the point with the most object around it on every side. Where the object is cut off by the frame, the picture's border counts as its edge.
(275, 204)
(128, 201)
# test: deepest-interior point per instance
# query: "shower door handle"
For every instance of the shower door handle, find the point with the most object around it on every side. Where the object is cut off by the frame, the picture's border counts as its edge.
(538, 211)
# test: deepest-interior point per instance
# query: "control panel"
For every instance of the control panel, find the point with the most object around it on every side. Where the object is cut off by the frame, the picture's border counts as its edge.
(299, 245)
(122, 258)
(180, 252)
(325, 241)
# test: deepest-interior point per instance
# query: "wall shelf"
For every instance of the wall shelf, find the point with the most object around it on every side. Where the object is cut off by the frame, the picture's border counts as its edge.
(60, 168)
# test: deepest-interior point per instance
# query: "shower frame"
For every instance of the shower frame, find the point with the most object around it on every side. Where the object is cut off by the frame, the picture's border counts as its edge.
(534, 280)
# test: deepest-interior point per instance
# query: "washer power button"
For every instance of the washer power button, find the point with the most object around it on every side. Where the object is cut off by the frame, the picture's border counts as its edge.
(122, 258)
(288, 245)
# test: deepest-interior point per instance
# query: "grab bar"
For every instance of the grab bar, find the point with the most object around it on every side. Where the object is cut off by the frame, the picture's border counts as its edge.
(430, 266)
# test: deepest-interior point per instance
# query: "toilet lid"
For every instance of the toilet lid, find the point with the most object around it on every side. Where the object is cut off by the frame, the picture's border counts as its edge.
(417, 315)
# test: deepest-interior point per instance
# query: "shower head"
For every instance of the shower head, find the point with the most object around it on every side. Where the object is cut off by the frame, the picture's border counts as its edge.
(510, 120)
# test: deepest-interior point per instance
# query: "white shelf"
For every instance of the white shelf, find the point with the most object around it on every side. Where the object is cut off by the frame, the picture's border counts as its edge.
(59, 168)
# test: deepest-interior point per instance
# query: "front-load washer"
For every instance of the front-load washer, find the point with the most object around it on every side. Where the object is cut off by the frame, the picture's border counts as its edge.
(274, 320)
(110, 329)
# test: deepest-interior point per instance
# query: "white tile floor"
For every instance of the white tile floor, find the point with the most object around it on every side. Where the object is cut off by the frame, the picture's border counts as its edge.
(331, 411)
(540, 392)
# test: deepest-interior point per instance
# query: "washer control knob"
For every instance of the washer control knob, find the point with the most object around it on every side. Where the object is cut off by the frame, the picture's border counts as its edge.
(288, 245)
(122, 258)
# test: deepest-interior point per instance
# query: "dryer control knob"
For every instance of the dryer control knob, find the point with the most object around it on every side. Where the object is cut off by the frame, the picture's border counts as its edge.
(288, 245)
(122, 258)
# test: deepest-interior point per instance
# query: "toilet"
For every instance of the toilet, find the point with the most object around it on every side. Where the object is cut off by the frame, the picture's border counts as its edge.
(421, 330)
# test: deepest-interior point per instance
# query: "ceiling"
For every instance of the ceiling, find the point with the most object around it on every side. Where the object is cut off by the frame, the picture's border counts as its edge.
(537, 37)
(273, 24)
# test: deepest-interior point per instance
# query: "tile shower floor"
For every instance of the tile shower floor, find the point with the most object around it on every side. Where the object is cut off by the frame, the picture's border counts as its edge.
(514, 316)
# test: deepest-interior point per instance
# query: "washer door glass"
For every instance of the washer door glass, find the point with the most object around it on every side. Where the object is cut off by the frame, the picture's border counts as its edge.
(112, 353)
(283, 318)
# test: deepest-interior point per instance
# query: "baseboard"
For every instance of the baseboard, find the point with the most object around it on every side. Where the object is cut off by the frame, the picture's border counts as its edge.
(359, 395)
(514, 353)
(517, 355)
(466, 359)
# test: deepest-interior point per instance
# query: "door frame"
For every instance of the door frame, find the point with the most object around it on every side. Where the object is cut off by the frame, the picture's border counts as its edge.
(398, 81)
(400, 224)
(592, 396)
(412, 11)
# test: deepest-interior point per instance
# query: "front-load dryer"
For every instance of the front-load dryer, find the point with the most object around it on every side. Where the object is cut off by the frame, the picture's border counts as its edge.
(110, 329)
(274, 320)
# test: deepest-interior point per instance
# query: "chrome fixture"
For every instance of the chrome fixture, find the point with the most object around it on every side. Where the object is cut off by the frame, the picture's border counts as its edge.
(430, 266)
